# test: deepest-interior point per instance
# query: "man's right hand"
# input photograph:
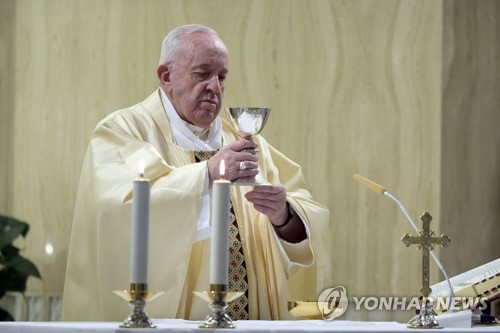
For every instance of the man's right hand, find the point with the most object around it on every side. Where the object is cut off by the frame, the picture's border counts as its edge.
(233, 156)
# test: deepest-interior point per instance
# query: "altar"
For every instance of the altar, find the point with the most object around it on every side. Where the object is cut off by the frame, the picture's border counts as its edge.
(255, 326)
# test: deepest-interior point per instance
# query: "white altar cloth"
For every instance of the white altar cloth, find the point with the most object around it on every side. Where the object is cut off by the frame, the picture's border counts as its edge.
(254, 326)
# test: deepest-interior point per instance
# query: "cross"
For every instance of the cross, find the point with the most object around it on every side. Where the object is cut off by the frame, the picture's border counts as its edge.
(426, 241)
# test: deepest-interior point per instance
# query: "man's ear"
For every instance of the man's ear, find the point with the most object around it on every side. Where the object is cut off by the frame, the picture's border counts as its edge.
(163, 74)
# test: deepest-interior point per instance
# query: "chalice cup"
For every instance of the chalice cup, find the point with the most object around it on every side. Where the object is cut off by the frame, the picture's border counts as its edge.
(248, 121)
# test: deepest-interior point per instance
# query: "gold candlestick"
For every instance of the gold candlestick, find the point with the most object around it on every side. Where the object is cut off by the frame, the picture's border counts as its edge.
(218, 297)
(137, 296)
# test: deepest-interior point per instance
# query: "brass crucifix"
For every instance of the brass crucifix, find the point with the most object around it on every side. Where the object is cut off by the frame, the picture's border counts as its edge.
(426, 241)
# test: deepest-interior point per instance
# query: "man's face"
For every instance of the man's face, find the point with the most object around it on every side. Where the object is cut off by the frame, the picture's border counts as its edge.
(195, 81)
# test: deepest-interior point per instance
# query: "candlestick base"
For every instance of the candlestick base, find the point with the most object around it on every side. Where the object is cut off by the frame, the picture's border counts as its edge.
(137, 296)
(218, 297)
(425, 318)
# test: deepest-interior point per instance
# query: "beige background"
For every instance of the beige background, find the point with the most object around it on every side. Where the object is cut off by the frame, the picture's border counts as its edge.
(402, 92)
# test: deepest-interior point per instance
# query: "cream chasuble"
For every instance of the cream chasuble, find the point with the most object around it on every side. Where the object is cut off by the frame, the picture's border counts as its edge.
(99, 253)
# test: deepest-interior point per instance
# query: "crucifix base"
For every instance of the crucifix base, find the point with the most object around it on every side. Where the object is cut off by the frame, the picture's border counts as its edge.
(425, 318)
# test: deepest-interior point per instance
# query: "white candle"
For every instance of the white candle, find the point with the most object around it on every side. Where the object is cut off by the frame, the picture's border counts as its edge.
(220, 229)
(140, 228)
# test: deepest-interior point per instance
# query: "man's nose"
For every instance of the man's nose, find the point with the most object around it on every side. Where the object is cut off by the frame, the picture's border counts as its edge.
(214, 85)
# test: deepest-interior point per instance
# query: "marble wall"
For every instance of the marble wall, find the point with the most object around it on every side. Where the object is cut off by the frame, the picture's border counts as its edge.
(470, 169)
(402, 92)
(7, 40)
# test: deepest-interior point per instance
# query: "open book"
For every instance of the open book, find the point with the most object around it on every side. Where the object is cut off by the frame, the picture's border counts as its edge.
(474, 288)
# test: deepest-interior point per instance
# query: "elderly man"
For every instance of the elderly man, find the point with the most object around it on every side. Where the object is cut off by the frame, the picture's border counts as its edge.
(275, 230)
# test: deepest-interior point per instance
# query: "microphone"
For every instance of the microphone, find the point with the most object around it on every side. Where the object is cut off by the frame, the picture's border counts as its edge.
(377, 188)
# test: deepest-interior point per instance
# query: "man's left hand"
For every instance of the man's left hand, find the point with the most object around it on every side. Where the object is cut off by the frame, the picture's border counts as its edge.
(271, 201)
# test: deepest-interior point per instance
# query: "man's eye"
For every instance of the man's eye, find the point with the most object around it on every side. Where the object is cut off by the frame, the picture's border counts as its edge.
(201, 75)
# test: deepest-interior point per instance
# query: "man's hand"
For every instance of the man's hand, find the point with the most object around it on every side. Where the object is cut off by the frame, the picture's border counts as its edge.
(270, 201)
(233, 156)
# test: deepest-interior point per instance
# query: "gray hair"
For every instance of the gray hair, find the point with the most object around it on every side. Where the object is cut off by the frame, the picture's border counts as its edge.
(171, 43)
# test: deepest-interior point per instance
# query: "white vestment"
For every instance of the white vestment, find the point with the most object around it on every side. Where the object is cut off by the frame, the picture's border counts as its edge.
(99, 253)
